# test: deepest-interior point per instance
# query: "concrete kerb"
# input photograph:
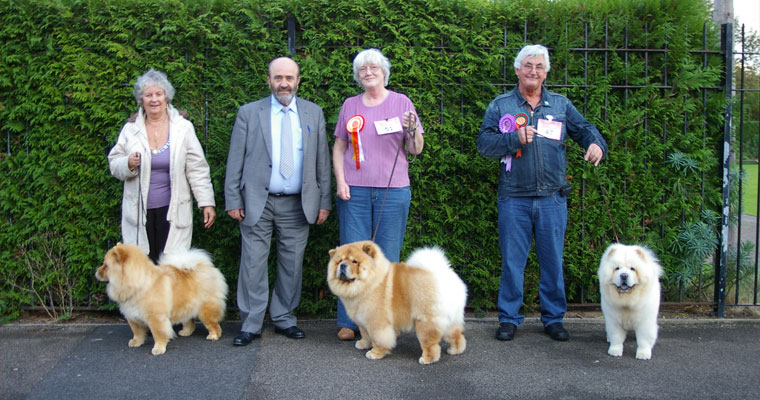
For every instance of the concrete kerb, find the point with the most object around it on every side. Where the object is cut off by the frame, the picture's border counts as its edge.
(468, 320)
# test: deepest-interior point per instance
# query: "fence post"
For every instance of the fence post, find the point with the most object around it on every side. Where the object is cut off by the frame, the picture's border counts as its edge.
(727, 47)
(292, 35)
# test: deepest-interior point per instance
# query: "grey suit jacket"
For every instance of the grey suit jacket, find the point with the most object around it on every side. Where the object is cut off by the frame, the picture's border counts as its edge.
(249, 161)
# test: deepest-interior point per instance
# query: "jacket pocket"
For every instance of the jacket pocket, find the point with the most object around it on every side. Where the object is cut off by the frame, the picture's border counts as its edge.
(184, 212)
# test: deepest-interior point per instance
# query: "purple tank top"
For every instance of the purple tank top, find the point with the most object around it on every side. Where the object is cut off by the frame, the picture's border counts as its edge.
(159, 192)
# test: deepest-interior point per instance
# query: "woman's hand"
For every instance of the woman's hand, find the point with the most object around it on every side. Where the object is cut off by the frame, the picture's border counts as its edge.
(209, 216)
(344, 193)
(409, 120)
(133, 161)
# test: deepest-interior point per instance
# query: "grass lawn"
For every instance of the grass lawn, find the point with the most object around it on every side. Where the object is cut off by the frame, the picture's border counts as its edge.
(749, 189)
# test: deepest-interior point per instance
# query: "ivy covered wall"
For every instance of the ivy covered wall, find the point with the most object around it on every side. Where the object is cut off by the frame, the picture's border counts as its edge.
(646, 72)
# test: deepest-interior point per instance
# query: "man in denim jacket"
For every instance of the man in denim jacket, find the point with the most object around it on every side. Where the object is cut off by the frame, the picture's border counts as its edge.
(532, 200)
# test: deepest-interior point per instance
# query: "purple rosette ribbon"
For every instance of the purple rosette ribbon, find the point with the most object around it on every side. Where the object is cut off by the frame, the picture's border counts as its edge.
(507, 123)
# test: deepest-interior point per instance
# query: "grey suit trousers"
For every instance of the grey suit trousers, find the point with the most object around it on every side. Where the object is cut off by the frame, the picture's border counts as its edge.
(284, 217)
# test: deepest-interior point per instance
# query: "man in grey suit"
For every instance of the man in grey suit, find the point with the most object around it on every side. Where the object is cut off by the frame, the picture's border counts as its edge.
(278, 180)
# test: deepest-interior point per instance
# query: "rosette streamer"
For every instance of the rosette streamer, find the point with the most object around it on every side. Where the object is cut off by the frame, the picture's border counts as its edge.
(354, 126)
(507, 124)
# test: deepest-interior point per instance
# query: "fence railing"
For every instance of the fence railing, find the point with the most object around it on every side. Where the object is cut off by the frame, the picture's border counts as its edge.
(746, 131)
(734, 128)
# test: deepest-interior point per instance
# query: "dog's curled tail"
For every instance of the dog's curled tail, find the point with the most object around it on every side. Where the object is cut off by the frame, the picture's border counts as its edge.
(430, 258)
(452, 291)
(188, 259)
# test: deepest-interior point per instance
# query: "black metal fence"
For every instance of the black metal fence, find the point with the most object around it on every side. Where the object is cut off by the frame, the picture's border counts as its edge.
(744, 115)
(743, 279)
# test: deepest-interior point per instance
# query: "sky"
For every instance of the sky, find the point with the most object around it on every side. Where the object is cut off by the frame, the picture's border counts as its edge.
(748, 13)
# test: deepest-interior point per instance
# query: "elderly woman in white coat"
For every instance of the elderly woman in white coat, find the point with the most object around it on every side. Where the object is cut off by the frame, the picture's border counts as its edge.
(161, 162)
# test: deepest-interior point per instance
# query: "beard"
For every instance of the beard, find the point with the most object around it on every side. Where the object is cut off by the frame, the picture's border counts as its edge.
(284, 98)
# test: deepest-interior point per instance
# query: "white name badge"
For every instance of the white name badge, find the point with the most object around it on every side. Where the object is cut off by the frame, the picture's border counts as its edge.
(386, 126)
(550, 129)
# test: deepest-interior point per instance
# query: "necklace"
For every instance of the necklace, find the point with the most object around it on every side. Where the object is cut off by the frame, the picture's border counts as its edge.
(156, 132)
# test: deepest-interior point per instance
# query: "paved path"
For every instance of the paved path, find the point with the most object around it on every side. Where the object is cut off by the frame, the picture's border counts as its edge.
(693, 359)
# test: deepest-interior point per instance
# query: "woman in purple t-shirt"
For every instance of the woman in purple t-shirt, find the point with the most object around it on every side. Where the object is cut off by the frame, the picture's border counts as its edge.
(372, 126)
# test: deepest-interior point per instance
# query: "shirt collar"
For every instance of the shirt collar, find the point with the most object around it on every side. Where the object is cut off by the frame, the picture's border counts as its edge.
(276, 106)
(544, 96)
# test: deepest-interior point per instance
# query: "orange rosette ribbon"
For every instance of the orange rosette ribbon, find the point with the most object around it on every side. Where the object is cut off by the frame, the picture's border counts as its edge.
(354, 126)
(521, 119)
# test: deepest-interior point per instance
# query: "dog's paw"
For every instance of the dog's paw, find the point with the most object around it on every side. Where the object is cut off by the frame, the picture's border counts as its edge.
(616, 350)
(212, 336)
(375, 355)
(362, 344)
(158, 350)
(428, 360)
(136, 342)
(185, 332)
(643, 354)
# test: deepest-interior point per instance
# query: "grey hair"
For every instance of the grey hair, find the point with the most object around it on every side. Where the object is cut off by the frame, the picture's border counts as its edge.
(534, 50)
(375, 57)
(153, 78)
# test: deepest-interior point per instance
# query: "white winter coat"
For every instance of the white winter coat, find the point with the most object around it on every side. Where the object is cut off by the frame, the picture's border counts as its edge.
(188, 170)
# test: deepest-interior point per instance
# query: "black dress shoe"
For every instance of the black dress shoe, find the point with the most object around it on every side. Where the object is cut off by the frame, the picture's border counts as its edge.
(244, 338)
(506, 331)
(292, 333)
(557, 332)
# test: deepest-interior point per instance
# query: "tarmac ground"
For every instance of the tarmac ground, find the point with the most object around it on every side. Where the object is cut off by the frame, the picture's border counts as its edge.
(701, 358)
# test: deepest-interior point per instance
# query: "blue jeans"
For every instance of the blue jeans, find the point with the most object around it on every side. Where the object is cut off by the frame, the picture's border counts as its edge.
(522, 219)
(359, 216)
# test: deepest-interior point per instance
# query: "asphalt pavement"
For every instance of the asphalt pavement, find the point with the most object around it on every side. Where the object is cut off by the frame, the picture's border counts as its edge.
(693, 359)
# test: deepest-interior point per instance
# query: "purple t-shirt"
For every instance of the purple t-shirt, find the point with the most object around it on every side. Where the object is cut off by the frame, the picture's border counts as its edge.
(160, 191)
(378, 151)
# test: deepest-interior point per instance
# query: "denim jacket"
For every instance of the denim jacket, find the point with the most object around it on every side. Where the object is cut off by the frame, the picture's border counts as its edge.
(540, 171)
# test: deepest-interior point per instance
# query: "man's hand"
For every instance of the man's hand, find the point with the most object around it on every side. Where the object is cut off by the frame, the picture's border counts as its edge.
(237, 214)
(594, 154)
(526, 134)
(323, 214)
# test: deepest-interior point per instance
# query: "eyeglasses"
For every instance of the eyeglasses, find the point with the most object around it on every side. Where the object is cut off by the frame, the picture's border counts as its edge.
(371, 68)
(538, 68)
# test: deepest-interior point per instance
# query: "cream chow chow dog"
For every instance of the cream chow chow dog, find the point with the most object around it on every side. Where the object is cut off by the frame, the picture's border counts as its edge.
(630, 295)
(385, 298)
(186, 285)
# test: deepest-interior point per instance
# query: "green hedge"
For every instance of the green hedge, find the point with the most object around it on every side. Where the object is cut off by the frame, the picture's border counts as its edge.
(67, 69)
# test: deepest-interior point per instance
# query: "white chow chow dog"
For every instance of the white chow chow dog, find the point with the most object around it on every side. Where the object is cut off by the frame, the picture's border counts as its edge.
(630, 295)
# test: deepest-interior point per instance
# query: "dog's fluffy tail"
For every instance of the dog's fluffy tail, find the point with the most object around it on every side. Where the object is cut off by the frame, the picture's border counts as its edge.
(199, 261)
(187, 260)
(451, 290)
(430, 258)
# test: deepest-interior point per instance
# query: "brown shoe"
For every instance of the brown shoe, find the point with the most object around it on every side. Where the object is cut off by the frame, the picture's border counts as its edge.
(346, 334)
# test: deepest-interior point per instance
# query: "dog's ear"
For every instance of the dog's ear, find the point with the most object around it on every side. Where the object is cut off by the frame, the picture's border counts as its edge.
(370, 249)
(332, 251)
(641, 253)
(119, 253)
(610, 251)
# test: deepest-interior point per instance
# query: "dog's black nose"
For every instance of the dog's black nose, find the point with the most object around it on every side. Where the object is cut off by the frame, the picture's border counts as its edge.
(342, 270)
(624, 277)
